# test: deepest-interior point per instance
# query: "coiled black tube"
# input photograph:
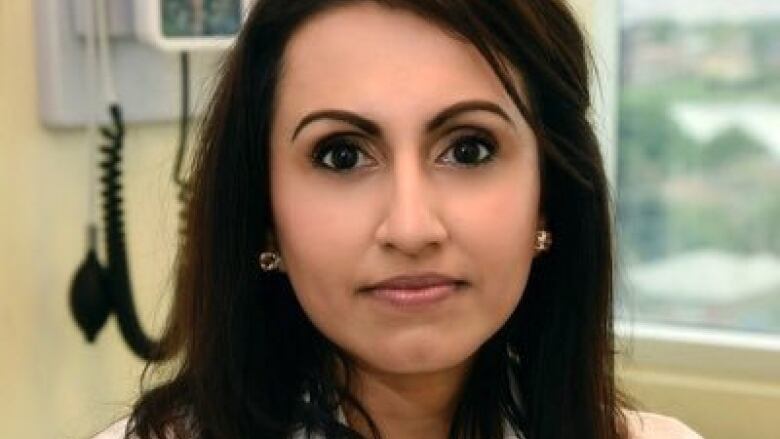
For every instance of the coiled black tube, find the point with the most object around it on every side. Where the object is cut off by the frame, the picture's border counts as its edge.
(118, 277)
(184, 194)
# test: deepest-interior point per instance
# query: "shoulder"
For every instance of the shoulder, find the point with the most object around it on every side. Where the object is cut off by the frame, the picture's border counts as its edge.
(645, 425)
(115, 431)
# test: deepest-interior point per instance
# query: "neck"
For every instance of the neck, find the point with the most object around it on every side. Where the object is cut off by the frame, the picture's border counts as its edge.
(407, 406)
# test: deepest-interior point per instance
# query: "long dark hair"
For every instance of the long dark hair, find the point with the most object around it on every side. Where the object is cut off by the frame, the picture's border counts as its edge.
(245, 353)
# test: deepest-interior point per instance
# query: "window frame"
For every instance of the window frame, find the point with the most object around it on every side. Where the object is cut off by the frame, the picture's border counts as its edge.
(681, 348)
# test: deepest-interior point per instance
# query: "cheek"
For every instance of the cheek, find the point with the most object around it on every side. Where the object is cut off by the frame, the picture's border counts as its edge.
(497, 227)
(495, 230)
(320, 234)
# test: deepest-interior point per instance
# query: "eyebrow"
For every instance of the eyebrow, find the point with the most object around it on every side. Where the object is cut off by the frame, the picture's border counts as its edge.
(373, 129)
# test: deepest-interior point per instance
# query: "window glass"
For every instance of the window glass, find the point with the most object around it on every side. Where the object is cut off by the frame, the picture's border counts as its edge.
(698, 162)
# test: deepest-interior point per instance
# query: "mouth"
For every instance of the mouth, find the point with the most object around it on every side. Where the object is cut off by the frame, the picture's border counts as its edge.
(413, 282)
(416, 297)
(414, 291)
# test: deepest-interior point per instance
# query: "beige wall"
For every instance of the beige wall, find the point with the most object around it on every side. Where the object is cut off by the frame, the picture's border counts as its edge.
(717, 406)
(54, 385)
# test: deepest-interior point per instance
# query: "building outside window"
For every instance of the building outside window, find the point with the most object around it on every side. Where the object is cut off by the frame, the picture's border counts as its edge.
(698, 163)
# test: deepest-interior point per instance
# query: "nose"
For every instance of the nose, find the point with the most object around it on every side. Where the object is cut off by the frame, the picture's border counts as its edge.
(411, 223)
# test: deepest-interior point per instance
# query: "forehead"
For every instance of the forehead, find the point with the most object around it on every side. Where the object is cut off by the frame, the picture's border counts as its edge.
(371, 58)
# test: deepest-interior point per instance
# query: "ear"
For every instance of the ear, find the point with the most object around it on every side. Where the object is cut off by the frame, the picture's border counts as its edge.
(272, 244)
(541, 226)
(541, 222)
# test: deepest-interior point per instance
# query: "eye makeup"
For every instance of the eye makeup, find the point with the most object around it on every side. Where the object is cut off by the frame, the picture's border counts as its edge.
(345, 152)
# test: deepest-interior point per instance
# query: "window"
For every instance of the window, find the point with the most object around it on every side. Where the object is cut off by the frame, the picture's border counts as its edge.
(696, 162)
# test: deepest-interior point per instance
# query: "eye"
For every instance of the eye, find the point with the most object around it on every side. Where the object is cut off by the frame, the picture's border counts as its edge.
(339, 154)
(471, 150)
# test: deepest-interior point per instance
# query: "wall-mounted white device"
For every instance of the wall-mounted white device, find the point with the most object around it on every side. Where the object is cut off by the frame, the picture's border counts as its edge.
(189, 24)
(145, 34)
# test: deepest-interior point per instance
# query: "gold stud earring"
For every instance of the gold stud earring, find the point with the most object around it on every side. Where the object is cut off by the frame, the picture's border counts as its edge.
(543, 241)
(269, 261)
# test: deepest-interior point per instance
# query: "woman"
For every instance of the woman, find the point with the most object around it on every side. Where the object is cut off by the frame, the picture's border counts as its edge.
(400, 229)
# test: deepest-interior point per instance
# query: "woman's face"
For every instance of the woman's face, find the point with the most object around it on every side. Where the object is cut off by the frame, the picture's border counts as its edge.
(424, 165)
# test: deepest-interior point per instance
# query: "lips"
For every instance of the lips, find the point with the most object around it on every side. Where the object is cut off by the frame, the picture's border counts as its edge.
(415, 282)
(414, 291)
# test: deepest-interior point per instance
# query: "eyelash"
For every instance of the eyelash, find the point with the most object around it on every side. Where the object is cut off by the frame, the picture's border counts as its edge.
(330, 143)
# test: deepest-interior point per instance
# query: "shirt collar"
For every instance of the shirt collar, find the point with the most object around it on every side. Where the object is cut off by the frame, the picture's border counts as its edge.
(301, 433)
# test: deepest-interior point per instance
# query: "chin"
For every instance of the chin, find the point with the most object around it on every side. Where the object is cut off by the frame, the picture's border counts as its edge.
(419, 357)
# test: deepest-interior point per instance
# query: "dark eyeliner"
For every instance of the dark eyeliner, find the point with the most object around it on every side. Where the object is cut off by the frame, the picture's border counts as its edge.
(480, 136)
(470, 133)
(322, 147)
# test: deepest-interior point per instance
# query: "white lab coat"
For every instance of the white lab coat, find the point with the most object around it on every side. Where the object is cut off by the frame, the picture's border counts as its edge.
(643, 425)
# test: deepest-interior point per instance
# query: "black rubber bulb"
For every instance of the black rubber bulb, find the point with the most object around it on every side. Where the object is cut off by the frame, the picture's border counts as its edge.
(90, 300)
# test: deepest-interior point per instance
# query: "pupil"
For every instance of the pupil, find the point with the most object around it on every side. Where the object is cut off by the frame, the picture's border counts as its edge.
(467, 152)
(344, 157)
